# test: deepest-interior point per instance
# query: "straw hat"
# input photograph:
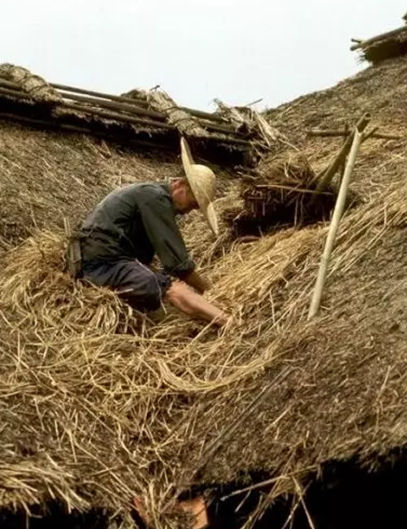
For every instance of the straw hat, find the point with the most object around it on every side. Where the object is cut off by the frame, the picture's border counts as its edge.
(202, 181)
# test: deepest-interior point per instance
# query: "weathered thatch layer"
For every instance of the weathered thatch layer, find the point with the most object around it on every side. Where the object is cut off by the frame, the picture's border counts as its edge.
(380, 90)
(93, 415)
(166, 397)
(47, 177)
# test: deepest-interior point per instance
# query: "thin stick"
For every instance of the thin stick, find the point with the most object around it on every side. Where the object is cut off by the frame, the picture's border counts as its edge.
(333, 228)
(301, 497)
(338, 133)
(254, 102)
(288, 188)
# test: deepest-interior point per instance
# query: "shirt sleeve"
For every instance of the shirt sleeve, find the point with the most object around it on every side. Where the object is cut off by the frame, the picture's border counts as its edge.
(161, 227)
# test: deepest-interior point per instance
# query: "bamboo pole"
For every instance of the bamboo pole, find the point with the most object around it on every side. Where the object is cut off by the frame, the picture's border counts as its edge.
(131, 109)
(333, 228)
(8, 84)
(102, 95)
(134, 101)
(19, 94)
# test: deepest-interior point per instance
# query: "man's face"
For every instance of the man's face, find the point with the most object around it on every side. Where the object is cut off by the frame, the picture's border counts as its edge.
(184, 200)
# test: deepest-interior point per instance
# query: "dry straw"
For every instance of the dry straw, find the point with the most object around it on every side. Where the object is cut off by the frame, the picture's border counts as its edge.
(99, 404)
(107, 405)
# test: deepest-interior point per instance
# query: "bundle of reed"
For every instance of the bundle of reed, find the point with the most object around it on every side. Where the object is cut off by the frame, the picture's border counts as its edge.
(282, 191)
(383, 46)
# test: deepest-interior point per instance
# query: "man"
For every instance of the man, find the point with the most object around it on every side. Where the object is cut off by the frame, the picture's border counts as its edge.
(120, 237)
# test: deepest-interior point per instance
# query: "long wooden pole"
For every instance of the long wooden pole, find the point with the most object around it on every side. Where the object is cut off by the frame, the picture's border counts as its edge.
(333, 228)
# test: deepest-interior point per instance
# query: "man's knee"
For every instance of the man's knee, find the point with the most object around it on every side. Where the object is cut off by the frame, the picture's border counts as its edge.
(147, 295)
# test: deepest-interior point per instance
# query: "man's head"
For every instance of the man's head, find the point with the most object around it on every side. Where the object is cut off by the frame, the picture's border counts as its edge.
(202, 183)
(182, 196)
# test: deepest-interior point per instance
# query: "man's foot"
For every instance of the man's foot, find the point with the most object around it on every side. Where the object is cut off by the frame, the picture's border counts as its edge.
(195, 508)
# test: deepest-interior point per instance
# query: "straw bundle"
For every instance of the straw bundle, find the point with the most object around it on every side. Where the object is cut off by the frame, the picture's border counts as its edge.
(245, 118)
(159, 100)
(34, 85)
(281, 192)
(390, 44)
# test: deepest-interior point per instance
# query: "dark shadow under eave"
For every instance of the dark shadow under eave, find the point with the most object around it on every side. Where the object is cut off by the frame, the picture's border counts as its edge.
(345, 495)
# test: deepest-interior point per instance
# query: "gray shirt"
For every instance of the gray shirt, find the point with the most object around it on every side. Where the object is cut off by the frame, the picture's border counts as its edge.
(136, 222)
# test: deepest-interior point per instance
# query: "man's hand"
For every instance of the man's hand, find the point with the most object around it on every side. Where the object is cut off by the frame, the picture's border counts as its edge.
(199, 283)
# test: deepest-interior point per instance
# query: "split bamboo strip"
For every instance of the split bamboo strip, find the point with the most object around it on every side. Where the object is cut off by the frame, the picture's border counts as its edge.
(18, 94)
(333, 229)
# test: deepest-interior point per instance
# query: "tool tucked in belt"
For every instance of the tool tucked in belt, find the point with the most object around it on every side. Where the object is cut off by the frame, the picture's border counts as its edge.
(73, 254)
(73, 257)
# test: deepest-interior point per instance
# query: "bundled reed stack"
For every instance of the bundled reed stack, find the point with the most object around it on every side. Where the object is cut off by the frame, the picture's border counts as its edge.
(384, 46)
(282, 191)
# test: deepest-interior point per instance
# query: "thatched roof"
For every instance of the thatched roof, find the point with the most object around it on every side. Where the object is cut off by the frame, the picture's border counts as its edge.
(99, 406)
(384, 46)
